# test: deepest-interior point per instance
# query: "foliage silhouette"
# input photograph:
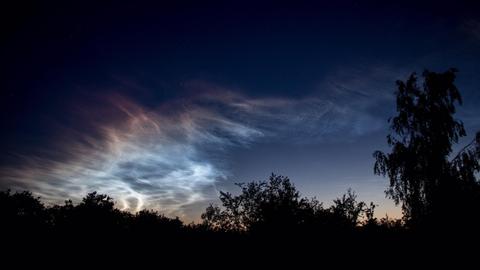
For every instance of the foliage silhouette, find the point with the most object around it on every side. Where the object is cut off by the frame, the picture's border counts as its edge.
(348, 209)
(275, 204)
(422, 176)
(22, 211)
(272, 207)
(276, 207)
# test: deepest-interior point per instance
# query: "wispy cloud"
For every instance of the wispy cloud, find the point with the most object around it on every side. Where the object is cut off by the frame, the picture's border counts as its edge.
(166, 158)
(143, 158)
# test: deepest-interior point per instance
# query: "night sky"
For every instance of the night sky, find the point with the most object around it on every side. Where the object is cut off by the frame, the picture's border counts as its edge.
(163, 105)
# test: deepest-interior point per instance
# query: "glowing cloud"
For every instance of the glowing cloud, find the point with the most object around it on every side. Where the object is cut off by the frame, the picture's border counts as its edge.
(164, 158)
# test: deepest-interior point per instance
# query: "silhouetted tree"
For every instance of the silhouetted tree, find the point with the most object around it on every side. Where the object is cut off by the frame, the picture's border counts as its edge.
(347, 208)
(22, 211)
(96, 213)
(391, 223)
(273, 205)
(97, 202)
(422, 178)
(151, 222)
(62, 215)
(370, 219)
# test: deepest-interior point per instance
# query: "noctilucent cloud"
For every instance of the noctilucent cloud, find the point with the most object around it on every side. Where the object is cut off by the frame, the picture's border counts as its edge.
(161, 106)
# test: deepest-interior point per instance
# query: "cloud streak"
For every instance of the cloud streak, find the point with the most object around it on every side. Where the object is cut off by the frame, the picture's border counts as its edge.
(170, 157)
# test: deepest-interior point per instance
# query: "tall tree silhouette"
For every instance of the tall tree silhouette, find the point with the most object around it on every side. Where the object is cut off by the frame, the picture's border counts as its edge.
(422, 175)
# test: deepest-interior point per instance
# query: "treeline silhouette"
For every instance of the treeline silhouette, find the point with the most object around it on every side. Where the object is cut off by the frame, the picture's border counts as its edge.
(267, 217)
(438, 191)
(266, 208)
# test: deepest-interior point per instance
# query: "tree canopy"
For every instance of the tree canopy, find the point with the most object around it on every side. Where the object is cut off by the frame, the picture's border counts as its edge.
(424, 178)
(276, 206)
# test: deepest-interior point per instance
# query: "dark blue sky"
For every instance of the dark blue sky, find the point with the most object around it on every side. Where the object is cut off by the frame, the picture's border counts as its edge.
(162, 105)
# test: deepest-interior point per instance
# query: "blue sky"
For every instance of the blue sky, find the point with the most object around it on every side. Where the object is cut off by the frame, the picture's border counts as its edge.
(163, 105)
